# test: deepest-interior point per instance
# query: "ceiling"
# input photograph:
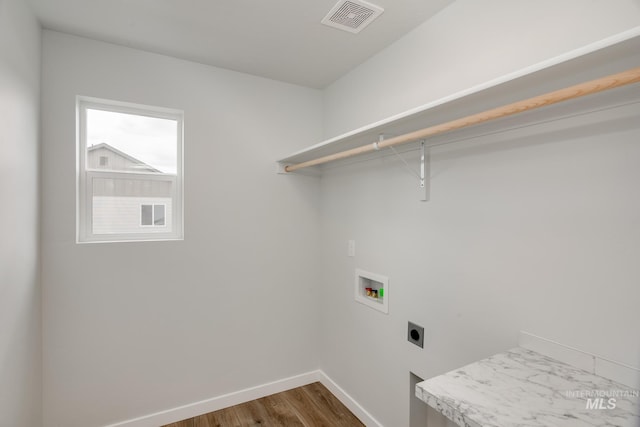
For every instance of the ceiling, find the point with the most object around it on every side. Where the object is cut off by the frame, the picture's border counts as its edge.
(277, 39)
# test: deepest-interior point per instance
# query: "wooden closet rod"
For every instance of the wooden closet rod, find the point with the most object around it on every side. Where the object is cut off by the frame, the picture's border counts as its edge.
(577, 91)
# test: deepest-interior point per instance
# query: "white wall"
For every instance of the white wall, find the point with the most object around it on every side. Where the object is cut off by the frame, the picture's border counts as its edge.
(468, 43)
(531, 230)
(20, 331)
(131, 329)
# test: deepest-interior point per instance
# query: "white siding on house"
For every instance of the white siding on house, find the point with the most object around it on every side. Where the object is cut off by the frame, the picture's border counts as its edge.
(116, 206)
(122, 215)
(129, 187)
(114, 161)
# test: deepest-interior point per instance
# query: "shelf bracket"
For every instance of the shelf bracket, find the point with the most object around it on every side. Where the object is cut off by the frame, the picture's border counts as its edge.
(425, 171)
(424, 176)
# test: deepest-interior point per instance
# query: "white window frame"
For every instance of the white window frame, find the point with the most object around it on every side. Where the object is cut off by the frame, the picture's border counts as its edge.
(84, 212)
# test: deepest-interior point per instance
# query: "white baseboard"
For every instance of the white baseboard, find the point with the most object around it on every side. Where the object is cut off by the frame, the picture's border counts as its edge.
(362, 414)
(220, 402)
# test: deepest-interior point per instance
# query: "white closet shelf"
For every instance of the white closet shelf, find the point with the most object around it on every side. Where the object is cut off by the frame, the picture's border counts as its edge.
(608, 56)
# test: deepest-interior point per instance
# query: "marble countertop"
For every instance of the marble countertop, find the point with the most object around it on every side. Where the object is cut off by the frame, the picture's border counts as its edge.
(522, 388)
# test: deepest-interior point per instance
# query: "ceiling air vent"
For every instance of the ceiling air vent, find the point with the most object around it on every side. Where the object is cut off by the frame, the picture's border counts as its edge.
(352, 15)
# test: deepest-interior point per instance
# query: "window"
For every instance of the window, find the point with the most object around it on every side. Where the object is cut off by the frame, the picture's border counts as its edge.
(129, 172)
(152, 215)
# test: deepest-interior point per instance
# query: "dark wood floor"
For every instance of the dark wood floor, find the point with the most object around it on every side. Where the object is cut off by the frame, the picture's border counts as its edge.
(310, 406)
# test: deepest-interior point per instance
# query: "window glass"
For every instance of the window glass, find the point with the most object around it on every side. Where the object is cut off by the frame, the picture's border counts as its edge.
(158, 215)
(130, 174)
(133, 143)
(147, 215)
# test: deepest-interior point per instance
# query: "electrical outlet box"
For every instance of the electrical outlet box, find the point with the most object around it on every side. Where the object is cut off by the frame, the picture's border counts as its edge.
(415, 334)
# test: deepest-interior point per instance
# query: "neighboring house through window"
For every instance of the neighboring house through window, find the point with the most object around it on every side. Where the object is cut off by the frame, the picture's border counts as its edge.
(130, 172)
